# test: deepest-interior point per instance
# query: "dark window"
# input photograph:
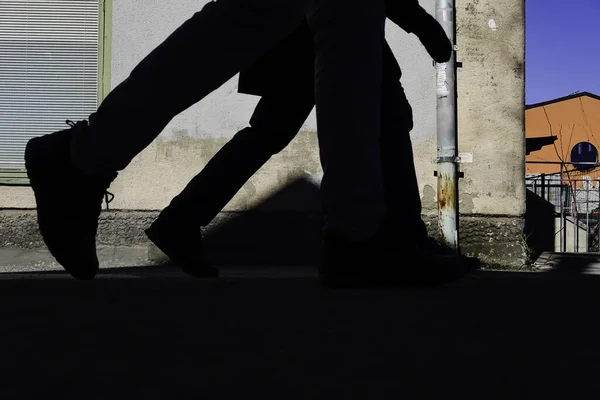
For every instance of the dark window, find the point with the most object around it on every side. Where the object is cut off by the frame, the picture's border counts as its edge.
(583, 153)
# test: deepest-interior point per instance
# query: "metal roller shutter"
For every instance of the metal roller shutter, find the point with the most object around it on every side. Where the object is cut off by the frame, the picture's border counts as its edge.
(48, 69)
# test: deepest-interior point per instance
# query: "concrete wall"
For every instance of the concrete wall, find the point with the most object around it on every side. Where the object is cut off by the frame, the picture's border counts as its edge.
(491, 87)
(491, 105)
(194, 136)
(490, 36)
(491, 100)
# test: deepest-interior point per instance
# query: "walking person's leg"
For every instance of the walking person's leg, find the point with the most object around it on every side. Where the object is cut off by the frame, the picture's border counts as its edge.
(207, 50)
(70, 170)
(348, 36)
(348, 41)
(431, 263)
(402, 199)
(275, 122)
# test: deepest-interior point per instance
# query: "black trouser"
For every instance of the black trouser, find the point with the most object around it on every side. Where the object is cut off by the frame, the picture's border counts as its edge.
(225, 38)
(275, 122)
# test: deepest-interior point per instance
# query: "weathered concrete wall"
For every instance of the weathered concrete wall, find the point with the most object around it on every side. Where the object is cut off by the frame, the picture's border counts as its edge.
(491, 101)
(491, 98)
(189, 141)
(194, 136)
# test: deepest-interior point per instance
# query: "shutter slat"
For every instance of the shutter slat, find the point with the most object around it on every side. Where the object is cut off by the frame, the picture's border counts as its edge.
(48, 69)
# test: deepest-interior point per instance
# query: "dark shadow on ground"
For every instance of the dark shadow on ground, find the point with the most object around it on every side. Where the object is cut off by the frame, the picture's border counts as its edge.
(493, 335)
(567, 264)
(539, 224)
(168, 270)
(285, 229)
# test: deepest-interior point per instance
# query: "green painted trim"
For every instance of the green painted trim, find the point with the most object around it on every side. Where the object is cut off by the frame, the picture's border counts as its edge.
(13, 177)
(104, 48)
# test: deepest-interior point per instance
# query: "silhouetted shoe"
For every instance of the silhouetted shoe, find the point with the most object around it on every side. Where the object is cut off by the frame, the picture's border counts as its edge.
(183, 246)
(68, 201)
(386, 260)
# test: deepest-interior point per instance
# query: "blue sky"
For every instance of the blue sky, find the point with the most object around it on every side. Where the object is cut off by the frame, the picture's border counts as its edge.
(562, 48)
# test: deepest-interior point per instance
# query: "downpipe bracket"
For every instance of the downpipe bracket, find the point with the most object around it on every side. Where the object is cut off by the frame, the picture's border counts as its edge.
(453, 160)
(439, 160)
(460, 174)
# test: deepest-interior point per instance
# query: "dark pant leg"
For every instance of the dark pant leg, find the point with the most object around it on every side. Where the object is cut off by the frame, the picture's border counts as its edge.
(348, 44)
(208, 49)
(402, 199)
(274, 123)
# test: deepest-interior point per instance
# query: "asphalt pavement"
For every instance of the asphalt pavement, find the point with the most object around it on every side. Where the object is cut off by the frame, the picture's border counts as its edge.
(152, 333)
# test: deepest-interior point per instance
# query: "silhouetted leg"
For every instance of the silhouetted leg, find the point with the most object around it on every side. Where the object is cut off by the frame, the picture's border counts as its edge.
(208, 49)
(274, 123)
(400, 184)
(348, 43)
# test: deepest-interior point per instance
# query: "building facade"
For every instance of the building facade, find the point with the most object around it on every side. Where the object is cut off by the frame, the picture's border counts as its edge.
(564, 171)
(58, 76)
(573, 120)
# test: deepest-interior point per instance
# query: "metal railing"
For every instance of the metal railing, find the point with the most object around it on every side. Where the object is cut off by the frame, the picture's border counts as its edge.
(575, 195)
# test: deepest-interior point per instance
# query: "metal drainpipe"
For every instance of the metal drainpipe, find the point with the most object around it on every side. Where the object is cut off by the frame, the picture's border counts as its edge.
(447, 155)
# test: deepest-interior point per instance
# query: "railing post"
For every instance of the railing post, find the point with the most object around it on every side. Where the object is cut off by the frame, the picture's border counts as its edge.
(562, 209)
(543, 186)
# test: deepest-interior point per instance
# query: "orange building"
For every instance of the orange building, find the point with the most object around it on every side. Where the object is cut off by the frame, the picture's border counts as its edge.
(566, 129)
